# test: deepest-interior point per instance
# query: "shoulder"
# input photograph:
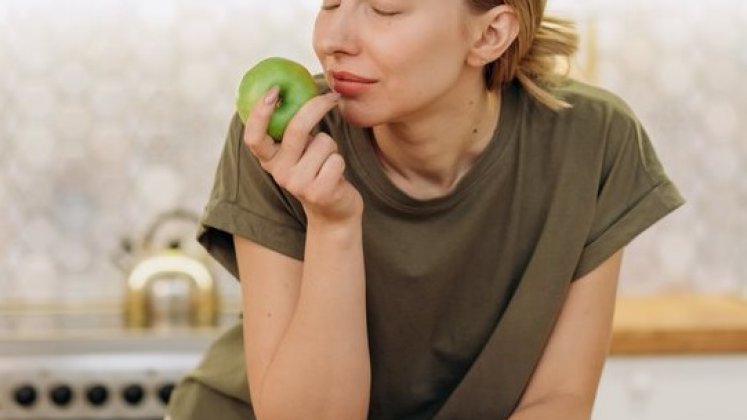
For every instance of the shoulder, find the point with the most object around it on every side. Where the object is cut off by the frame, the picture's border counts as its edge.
(592, 133)
(597, 120)
(594, 106)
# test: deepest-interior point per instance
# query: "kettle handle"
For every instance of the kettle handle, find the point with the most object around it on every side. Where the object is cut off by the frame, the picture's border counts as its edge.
(162, 218)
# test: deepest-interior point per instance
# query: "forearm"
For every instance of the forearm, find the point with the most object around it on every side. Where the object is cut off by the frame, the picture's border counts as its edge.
(321, 369)
(566, 407)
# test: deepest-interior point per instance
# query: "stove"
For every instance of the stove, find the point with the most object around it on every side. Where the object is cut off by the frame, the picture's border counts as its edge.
(53, 366)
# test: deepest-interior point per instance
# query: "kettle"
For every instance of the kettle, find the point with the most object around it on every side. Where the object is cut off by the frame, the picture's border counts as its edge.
(168, 284)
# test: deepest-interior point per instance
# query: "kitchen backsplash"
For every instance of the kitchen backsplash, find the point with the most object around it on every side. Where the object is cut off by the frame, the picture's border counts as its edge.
(114, 111)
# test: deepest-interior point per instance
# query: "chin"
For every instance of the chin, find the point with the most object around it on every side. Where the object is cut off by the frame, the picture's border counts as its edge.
(357, 115)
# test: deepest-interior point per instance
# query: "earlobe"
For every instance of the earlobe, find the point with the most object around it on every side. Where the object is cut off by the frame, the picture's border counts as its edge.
(499, 29)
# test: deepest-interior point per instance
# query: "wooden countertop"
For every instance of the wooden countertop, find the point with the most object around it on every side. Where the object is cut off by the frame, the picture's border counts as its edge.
(680, 324)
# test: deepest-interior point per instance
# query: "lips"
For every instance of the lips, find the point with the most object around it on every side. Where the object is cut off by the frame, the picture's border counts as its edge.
(350, 77)
(350, 84)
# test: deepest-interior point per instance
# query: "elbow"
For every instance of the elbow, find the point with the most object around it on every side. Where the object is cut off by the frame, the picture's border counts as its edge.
(284, 408)
(287, 412)
(564, 405)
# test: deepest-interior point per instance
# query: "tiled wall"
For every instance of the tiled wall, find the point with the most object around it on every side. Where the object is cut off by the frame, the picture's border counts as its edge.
(113, 111)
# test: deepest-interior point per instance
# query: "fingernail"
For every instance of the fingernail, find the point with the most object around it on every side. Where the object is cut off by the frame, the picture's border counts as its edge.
(335, 96)
(272, 95)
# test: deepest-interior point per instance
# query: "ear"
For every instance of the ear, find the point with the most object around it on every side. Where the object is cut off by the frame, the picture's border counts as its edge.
(493, 32)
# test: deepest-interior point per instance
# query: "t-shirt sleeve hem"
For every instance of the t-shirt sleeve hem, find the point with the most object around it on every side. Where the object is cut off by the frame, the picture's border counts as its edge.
(660, 201)
(224, 219)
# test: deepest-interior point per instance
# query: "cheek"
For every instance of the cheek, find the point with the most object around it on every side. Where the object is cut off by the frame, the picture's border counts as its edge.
(425, 49)
(423, 64)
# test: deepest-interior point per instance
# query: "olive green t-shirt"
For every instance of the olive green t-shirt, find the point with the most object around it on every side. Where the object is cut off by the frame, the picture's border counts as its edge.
(462, 290)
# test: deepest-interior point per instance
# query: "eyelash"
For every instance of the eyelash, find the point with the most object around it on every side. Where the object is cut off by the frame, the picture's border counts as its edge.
(375, 10)
(330, 7)
(383, 13)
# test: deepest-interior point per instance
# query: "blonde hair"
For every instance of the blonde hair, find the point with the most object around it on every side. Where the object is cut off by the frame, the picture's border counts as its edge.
(533, 56)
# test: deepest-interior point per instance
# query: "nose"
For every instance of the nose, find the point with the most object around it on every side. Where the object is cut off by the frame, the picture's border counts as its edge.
(335, 33)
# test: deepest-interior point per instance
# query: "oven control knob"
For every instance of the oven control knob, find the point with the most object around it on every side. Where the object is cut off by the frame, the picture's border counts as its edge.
(25, 395)
(133, 394)
(97, 395)
(61, 395)
(164, 392)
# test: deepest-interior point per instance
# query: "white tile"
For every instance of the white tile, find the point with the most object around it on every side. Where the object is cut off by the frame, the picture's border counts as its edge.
(112, 110)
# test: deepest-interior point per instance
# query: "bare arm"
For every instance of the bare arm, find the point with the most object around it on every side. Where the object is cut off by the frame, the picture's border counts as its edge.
(305, 328)
(306, 343)
(564, 385)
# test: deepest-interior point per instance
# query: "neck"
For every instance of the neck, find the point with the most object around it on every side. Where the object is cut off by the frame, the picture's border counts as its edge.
(426, 155)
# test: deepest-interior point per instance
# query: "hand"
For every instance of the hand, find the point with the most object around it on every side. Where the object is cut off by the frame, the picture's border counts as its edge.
(309, 167)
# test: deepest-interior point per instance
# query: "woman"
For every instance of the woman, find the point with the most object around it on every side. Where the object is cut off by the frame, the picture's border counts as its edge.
(438, 236)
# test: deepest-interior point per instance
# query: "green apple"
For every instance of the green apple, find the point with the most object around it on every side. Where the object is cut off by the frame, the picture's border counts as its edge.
(296, 85)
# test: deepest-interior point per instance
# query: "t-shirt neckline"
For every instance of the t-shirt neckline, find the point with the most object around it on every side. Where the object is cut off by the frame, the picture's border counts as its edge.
(383, 188)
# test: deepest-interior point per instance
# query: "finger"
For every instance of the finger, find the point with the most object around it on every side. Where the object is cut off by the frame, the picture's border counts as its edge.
(319, 149)
(255, 133)
(330, 175)
(296, 137)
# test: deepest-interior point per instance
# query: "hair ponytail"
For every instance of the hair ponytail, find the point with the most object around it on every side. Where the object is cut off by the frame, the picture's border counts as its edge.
(533, 57)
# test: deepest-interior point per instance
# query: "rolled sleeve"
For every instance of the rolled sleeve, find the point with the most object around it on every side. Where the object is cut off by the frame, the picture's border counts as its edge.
(634, 194)
(246, 201)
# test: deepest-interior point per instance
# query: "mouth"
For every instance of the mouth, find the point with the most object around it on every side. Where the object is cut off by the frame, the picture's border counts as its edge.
(345, 76)
(350, 85)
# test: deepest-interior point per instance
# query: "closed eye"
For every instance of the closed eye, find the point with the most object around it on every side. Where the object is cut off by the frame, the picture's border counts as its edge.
(332, 6)
(384, 12)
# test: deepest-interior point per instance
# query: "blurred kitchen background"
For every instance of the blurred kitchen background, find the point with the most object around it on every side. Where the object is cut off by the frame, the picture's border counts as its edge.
(114, 111)
(113, 115)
